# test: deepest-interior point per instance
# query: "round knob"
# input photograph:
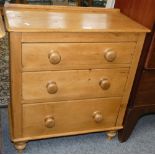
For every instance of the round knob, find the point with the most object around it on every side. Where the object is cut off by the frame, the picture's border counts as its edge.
(54, 57)
(110, 55)
(97, 116)
(49, 122)
(52, 87)
(104, 84)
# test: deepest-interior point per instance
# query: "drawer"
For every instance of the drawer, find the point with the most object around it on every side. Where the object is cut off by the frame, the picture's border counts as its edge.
(73, 84)
(61, 56)
(68, 117)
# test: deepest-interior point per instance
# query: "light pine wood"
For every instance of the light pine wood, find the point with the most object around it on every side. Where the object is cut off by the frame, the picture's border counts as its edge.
(75, 84)
(2, 30)
(115, 128)
(131, 76)
(76, 119)
(74, 37)
(20, 146)
(37, 57)
(111, 134)
(15, 70)
(28, 20)
(69, 75)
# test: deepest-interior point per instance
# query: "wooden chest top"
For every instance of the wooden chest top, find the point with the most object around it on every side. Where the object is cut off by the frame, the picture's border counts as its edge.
(25, 18)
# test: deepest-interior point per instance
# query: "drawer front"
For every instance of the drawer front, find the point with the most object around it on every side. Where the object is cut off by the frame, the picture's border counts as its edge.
(59, 56)
(70, 116)
(74, 84)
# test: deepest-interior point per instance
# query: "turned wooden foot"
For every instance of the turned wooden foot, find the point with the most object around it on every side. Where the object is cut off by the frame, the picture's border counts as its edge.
(111, 134)
(20, 146)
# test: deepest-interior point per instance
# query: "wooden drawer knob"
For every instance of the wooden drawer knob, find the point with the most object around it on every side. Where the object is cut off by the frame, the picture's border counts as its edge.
(54, 57)
(104, 84)
(110, 55)
(97, 116)
(52, 87)
(49, 122)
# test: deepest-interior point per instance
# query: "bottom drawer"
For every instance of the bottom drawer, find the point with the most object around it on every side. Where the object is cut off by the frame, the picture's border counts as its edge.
(69, 117)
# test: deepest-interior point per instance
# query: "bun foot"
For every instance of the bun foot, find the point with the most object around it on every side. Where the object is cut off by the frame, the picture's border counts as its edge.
(20, 146)
(111, 135)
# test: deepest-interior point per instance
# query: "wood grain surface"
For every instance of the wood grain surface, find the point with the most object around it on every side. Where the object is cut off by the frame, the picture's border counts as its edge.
(70, 37)
(141, 11)
(79, 116)
(76, 55)
(72, 84)
(41, 20)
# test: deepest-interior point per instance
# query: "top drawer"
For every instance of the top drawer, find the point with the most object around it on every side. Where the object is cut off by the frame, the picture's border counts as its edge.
(61, 56)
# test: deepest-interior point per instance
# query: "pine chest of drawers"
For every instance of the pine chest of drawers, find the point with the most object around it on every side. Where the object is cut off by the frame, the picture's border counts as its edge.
(71, 69)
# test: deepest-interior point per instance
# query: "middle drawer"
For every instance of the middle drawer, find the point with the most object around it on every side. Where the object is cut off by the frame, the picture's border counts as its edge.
(73, 84)
(62, 56)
